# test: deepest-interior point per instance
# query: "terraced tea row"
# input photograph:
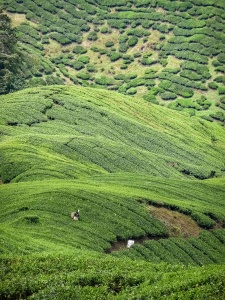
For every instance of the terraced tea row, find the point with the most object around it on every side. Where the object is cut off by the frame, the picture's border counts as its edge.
(110, 210)
(82, 133)
(206, 249)
(88, 276)
(68, 148)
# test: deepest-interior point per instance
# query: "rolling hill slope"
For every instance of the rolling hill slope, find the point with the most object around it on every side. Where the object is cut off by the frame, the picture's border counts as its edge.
(91, 131)
(136, 170)
(64, 148)
(168, 52)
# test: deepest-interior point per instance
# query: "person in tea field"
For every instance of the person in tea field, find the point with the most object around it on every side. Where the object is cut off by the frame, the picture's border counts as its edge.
(75, 215)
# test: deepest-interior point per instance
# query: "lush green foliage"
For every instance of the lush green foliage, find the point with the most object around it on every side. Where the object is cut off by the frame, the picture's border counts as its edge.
(113, 156)
(9, 57)
(64, 148)
(208, 248)
(54, 139)
(82, 276)
(149, 141)
(186, 35)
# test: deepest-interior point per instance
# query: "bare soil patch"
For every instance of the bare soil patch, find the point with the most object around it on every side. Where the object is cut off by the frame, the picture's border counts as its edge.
(178, 224)
(16, 19)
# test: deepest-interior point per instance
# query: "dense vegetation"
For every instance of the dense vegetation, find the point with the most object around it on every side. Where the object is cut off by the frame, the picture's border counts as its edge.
(109, 124)
(9, 56)
(85, 276)
(168, 52)
(112, 156)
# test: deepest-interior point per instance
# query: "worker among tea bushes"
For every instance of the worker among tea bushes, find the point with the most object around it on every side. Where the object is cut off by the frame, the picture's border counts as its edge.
(76, 215)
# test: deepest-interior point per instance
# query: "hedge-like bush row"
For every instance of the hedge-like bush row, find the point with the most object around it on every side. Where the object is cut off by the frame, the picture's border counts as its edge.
(168, 96)
(220, 79)
(118, 24)
(25, 29)
(139, 32)
(198, 68)
(193, 46)
(163, 28)
(220, 69)
(149, 14)
(206, 249)
(173, 6)
(145, 3)
(177, 88)
(192, 23)
(191, 75)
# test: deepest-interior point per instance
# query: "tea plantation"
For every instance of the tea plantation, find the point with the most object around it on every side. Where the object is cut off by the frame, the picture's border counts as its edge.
(112, 156)
(167, 52)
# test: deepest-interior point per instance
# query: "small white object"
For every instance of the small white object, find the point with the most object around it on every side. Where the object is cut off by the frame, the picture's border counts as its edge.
(130, 243)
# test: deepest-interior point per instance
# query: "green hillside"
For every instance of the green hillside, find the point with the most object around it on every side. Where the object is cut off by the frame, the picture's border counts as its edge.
(167, 52)
(113, 157)
(115, 108)
(86, 131)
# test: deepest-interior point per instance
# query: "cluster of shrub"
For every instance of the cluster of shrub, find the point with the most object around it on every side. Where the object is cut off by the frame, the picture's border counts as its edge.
(196, 37)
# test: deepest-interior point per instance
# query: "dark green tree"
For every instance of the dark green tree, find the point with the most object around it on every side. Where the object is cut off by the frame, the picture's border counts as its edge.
(9, 58)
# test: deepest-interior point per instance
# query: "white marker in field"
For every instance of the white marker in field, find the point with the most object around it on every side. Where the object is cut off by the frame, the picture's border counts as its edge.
(130, 243)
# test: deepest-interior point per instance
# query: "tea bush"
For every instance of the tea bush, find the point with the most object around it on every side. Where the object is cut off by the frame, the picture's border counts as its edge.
(132, 41)
(84, 59)
(122, 278)
(92, 36)
(123, 47)
(103, 80)
(109, 44)
(78, 65)
(114, 23)
(83, 75)
(79, 49)
(114, 56)
(220, 79)
(105, 29)
(90, 68)
(131, 91)
(218, 116)
(168, 96)
(138, 32)
(221, 90)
